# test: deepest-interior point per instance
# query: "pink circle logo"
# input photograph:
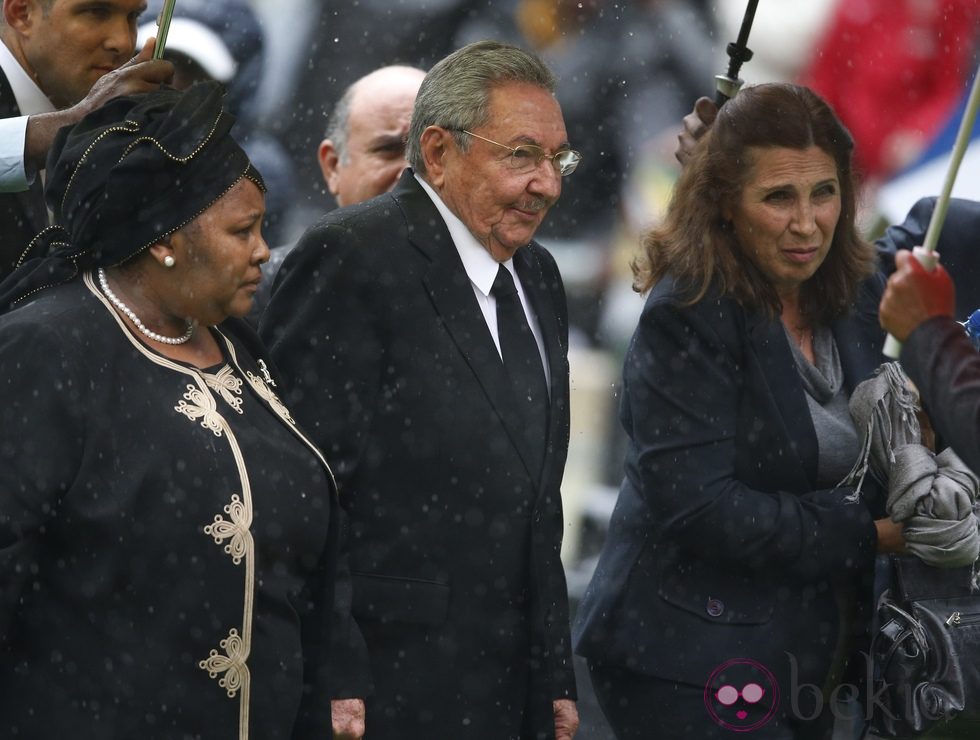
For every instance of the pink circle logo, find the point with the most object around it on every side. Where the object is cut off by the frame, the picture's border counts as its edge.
(741, 695)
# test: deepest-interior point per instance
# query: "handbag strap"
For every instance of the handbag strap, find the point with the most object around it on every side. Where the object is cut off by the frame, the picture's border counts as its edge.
(911, 627)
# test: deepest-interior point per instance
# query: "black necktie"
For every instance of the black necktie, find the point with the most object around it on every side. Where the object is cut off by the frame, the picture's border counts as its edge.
(522, 361)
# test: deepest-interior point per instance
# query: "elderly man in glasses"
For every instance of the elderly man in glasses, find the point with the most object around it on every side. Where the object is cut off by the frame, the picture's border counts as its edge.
(424, 335)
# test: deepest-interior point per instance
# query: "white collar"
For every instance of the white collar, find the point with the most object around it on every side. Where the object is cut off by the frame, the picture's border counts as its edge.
(480, 267)
(30, 99)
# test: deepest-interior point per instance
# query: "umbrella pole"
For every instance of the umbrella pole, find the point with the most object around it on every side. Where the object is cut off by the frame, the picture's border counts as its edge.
(926, 254)
(163, 27)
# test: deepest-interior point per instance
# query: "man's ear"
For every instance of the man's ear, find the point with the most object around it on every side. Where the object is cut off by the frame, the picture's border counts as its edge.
(21, 15)
(435, 143)
(329, 160)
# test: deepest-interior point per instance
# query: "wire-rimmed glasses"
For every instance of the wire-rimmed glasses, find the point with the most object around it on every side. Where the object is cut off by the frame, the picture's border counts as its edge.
(527, 157)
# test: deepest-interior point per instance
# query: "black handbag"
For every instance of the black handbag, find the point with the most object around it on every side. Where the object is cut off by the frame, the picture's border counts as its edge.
(926, 652)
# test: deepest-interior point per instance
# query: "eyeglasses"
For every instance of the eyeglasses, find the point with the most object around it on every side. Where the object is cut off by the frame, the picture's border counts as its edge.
(526, 157)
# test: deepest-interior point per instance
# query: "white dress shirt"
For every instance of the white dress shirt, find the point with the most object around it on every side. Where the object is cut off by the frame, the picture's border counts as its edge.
(481, 269)
(14, 174)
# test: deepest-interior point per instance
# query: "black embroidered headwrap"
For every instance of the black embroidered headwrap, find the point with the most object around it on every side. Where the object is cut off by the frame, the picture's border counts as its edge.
(125, 177)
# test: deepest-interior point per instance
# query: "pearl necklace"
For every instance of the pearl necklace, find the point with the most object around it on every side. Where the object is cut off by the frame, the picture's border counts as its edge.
(128, 312)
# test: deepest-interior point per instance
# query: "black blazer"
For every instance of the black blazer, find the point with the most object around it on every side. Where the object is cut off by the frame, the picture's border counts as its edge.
(720, 545)
(22, 215)
(454, 543)
(958, 247)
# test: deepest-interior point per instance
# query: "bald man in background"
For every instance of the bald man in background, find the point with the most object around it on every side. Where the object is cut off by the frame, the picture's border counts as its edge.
(363, 153)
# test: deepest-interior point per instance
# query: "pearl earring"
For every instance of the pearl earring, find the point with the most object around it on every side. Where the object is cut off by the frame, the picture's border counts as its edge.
(169, 261)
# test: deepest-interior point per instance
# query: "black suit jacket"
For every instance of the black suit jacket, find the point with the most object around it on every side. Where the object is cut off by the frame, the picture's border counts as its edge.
(722, 545)
(945, 367)
(958, 247)
(22, 215)
(454, 542)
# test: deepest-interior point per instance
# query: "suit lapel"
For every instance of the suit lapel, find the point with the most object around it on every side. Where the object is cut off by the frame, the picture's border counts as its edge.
(771, 348)
(451, 293)
(859, 336)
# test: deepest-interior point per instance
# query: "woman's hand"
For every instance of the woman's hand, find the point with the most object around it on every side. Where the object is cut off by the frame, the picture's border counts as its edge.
(891, 536)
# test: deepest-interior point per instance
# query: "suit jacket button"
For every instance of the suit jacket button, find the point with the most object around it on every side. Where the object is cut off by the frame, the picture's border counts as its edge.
(714, 607)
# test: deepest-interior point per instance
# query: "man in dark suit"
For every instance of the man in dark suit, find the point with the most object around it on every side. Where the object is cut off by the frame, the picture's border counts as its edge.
(425, 337)
(59, 59)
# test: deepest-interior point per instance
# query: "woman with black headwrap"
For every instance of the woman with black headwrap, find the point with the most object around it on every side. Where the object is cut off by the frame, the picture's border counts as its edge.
(167, 533)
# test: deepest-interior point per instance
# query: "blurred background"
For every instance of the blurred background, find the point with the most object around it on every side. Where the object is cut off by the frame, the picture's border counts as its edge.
(896, 71)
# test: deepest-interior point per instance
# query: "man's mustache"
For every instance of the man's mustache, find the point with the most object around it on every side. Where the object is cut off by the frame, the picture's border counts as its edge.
(534, 205)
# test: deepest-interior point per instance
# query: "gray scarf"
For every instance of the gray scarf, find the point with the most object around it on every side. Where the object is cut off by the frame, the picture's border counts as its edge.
(934, 495)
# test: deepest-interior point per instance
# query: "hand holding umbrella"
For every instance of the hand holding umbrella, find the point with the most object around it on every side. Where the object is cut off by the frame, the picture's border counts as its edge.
(914, 295)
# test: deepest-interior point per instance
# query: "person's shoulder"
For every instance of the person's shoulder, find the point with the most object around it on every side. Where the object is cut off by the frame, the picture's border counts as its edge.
(668, 294)
(350, 228)
(669, 308)
(380, 210)
(62, 307)
(56, 322)
(958, 210)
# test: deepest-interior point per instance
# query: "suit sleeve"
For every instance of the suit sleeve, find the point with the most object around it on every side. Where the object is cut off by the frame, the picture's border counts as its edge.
(322, 335)
(944, 366)
(682, 387)
(42, 438)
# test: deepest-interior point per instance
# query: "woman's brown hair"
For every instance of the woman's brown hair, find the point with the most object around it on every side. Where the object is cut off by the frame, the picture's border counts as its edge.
(697, 247)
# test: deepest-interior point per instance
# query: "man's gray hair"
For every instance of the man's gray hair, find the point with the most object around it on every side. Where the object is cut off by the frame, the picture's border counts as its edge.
(455, 94)
(338, 123)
